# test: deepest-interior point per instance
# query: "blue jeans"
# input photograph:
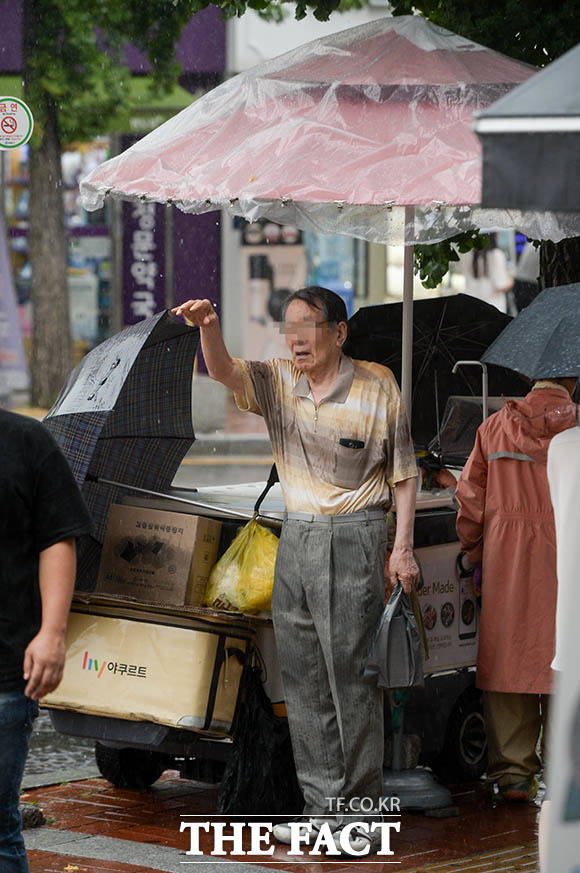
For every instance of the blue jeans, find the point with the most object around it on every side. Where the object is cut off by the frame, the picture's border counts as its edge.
(17, 714)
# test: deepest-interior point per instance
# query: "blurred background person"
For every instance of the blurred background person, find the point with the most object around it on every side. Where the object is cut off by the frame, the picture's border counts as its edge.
(526, 286)
(486, 274)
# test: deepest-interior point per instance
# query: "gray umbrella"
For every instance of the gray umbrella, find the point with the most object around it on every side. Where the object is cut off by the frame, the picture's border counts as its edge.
(531, 141)
(544, 340)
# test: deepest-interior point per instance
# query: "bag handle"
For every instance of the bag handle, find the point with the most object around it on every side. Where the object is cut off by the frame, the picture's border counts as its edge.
(464, 572)
(272, 479)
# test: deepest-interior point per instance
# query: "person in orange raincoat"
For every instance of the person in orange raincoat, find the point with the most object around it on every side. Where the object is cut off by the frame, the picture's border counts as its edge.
(505, 522)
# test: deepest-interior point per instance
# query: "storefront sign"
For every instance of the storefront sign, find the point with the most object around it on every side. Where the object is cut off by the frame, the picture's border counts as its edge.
(16, 123)
(272, 267)
(143, 261)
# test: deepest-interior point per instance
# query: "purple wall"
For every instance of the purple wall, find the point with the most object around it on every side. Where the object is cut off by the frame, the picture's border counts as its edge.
(201, 48)
(10, 40)
(196, 259)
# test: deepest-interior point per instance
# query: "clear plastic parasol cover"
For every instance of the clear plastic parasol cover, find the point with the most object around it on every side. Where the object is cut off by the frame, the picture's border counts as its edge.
(337, 136)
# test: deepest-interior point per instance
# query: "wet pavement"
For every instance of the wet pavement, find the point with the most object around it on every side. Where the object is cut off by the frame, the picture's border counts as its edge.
(93, 827)
(54, 755)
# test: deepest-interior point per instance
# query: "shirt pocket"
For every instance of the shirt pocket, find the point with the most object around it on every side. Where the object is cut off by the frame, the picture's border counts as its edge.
(349, 467)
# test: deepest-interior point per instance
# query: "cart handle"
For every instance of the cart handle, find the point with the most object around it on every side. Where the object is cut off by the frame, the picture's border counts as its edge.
(484, 390)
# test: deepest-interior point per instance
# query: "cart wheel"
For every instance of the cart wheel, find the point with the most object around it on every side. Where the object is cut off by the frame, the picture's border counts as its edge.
(464, 754)
(129, 768)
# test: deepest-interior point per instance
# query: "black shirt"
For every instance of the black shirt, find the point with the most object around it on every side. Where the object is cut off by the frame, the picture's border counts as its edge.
(40, 505)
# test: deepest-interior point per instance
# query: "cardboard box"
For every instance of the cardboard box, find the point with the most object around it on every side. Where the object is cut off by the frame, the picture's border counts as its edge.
(155, 556)
(185, 677)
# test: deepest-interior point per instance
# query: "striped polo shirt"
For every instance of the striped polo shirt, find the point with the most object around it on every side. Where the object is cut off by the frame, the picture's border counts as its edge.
(343, 454)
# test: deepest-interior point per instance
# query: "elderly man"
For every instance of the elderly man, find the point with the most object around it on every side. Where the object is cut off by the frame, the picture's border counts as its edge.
(341, 443)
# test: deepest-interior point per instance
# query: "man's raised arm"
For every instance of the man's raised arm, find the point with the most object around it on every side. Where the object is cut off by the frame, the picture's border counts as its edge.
(220, 364)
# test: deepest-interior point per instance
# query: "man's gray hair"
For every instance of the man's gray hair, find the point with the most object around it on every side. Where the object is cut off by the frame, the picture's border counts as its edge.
(330, 304)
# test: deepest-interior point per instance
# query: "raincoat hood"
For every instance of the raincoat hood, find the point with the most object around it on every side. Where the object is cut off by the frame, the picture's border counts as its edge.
(532, 422)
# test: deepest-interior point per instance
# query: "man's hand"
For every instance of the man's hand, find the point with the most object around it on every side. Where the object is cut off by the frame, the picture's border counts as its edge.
(44, 663)
(44, 656)
(199, 312)
(403, 568)
(220, 365)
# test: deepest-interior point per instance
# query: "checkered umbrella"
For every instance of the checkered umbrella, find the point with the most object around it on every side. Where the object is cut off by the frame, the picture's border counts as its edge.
(125, 415)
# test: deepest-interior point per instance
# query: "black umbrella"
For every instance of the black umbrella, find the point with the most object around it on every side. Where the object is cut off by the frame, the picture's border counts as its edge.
(445, 330)
(531, 141)
(125, 415)
(544, 340)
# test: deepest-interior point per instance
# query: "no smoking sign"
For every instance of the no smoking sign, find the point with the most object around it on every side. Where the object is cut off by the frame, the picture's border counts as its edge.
(16, 123)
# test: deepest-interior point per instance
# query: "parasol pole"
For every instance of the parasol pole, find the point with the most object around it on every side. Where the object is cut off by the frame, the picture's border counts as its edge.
(407, 349)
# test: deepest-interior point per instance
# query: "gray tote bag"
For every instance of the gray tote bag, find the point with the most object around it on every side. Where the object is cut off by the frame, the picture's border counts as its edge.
(395, 659)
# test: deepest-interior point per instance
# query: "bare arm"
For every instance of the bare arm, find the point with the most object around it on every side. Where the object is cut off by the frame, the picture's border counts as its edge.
(220, 365)
(402, 565)
(45, 654)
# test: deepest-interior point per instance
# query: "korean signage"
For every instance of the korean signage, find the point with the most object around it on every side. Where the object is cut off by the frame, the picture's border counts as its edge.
(143, 260)
(164, 675)
(16, 123)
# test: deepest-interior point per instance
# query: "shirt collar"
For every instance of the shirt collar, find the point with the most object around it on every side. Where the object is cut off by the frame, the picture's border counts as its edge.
(341, 387)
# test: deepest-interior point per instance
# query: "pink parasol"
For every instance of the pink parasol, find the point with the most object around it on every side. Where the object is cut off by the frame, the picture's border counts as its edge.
(333, 135)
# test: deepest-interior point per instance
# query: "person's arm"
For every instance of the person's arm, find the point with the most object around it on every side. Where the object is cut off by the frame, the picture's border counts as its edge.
(402, 565)
(220, 364)
(45, 654)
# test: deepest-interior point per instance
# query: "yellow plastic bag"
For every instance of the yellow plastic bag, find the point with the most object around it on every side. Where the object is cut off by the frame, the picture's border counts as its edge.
(243, 577)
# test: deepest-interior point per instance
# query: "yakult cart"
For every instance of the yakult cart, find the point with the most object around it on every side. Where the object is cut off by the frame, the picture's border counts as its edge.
(157, 685)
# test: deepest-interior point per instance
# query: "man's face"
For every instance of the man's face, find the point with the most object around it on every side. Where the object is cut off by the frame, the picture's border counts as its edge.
(313, 343)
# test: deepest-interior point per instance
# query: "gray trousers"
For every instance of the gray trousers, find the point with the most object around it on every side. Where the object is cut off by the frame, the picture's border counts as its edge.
(327, 601)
